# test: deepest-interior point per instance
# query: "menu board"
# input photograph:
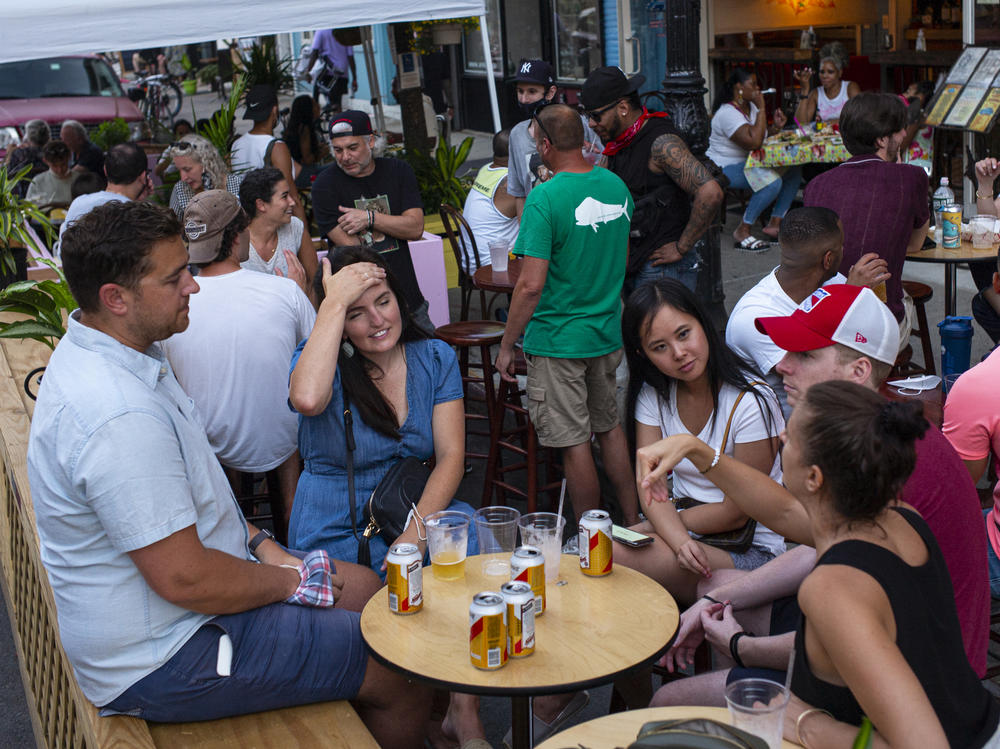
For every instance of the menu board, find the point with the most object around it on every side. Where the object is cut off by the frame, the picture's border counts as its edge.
(943, 103)
(987, 112)
(970, 96)
(962, 70)
(966, 106)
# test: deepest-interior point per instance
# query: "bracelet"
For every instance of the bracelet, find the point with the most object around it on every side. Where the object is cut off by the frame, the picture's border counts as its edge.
(798, 722)
(708, 597)
(734, 647)
(715, 460)
(371, 218)
(983, 197)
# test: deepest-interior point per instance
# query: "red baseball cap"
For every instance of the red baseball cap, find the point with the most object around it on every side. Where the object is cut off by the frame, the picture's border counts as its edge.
(839, 313)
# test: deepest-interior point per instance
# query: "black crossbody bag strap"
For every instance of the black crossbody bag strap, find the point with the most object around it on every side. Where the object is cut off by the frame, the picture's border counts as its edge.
(349, 439)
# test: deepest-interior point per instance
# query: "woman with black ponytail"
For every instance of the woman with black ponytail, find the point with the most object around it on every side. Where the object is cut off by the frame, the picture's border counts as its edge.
(879, 635)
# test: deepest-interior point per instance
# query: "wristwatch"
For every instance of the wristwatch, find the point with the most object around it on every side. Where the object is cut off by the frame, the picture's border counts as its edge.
(257, 540)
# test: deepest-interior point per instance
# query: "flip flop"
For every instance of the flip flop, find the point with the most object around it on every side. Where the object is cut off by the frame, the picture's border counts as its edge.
(752, 244)
(543, 730)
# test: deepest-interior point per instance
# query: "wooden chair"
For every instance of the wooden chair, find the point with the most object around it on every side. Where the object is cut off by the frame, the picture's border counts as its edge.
(252, 492)
(921, 294)
(463, 244)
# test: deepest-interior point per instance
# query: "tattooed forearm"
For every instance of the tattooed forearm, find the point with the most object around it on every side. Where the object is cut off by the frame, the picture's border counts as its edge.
(703, 208)
(670, 156)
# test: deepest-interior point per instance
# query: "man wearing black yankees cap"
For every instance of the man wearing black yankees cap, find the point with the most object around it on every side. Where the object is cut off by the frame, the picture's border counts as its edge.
(675, 194)
(371, 201)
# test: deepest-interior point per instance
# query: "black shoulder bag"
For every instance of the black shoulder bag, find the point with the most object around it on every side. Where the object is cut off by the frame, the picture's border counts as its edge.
(390, 502)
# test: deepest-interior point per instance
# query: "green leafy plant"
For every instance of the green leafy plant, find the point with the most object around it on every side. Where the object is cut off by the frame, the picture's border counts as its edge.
(208, 73)
(438, 177)
(15, 213)
(423, 40)
(263, 66)
(111, 133)
(45, 303)
(219, 130)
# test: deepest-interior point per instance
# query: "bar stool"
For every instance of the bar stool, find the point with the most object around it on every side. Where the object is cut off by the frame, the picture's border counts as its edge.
(521, 440)
(921, 294)
(252, 491)
(464, 336)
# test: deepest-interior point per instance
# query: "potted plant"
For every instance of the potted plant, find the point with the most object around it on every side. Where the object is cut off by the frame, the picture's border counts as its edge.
(437, 176)
(15, 213)
(263, 66)
(429, 35)
(189, 83)
(111, 133)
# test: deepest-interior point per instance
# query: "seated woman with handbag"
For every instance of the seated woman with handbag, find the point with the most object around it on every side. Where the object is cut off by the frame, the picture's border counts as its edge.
(376, 397)
(684, 379)
(879, 634)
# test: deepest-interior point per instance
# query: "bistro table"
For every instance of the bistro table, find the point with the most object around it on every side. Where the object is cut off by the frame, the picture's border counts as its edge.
(621, 729)
(951, 259)
(594, 630)
(488, 280)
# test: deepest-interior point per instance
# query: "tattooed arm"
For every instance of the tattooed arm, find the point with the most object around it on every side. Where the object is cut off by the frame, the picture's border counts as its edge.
(671, 156)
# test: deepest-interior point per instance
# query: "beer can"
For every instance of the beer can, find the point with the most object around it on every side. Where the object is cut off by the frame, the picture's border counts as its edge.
(951, 227)
(528, 565)
(405, 578)
(595, 543)
(488, 631)
(520, 602)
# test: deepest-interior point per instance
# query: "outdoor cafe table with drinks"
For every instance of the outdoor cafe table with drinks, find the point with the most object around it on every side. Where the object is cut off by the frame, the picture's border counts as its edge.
(593, 630)
(794, 147)
(951, 258)
(621, 729)
(501, 281)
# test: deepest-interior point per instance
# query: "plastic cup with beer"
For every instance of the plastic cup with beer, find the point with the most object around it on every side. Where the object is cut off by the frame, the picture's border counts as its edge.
(982, 231)
(447, 541)
(498, 255)
(544, 530)
(496, 529)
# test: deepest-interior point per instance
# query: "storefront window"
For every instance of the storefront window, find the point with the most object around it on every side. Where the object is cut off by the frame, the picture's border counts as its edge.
(474, 60)
(577, 29)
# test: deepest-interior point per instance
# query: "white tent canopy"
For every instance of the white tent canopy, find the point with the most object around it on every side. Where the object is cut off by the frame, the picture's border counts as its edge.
(80, 27)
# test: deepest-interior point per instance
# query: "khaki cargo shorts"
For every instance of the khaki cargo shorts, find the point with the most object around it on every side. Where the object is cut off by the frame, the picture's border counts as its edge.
(568, 399)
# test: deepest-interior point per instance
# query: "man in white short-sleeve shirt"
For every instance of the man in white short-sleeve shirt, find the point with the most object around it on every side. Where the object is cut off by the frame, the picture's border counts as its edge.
(233, 358)
(812, 243)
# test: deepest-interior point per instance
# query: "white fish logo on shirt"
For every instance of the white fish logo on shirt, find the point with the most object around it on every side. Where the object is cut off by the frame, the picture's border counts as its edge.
(593, 212)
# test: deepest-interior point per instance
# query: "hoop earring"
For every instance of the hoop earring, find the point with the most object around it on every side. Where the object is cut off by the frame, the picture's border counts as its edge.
(348, 348)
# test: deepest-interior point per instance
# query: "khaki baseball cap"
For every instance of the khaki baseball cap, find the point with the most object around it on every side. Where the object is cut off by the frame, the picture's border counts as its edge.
(205, 218)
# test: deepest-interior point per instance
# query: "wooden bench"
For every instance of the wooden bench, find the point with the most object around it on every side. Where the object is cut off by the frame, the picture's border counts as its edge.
(61, 716)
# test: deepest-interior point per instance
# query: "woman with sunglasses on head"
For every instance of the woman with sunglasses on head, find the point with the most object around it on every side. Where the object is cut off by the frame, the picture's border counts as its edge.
(684, 379)
(879, 634)
(201, 168)
(739, 126)
(824, 103)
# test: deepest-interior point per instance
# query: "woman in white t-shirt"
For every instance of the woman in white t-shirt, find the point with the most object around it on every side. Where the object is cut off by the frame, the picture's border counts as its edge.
(739, 126)
(684, 379)
(824, 103)
(279, 243)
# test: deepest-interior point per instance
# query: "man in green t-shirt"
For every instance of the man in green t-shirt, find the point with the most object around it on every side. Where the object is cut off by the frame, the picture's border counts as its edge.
(574, 236)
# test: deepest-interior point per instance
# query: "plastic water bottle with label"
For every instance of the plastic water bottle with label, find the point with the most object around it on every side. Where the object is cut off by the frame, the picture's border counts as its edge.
(942, 196)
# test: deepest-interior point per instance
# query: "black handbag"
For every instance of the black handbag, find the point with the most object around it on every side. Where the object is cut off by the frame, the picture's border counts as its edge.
(739, 539)
(391, 502)
(695, 733)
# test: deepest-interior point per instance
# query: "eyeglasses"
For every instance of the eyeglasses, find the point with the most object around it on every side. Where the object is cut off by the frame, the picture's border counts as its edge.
(595, 114)
(182, 145)
(544, 131)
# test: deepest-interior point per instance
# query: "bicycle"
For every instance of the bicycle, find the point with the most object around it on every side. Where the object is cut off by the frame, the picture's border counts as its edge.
(162, 97)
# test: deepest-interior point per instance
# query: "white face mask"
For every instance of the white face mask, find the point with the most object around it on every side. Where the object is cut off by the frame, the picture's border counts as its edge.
(916, 384)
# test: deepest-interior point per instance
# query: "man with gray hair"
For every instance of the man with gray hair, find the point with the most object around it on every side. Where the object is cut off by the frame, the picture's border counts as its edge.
(128, 179)
(36, 135)
(85, 156)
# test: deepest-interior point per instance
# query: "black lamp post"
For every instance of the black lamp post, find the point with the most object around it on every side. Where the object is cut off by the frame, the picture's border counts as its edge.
(684, 91)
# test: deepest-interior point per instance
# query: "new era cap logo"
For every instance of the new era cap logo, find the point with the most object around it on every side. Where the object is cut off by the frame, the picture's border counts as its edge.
(858, 338)
(194, 230)
(342, 126)
(813, 299)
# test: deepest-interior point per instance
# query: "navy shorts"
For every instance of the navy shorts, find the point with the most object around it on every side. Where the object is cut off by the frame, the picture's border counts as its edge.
(283, 655)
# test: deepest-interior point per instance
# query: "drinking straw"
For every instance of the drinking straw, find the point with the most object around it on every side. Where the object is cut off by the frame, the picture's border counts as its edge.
(788, 674)
(562, 496)
(798, 125)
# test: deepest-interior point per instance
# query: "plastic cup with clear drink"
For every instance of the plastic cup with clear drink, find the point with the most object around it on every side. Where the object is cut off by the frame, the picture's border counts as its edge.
(758, 707)
(496, 529)
(498, 255)
(447, 542)
(982, 231)
(544, 530)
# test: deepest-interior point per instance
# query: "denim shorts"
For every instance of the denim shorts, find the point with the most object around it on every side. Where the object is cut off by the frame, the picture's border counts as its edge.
(752, 558)
(993, 563)
(283, 655)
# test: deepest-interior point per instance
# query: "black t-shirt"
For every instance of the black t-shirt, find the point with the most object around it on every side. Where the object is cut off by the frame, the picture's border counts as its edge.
(390, 189)
(662, 207)
(91, 158)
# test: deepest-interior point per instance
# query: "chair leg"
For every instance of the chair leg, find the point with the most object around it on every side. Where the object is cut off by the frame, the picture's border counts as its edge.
(925, 340)
(493, 458)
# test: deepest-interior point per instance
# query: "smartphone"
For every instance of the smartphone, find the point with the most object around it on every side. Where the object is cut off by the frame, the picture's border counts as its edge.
(630, 538)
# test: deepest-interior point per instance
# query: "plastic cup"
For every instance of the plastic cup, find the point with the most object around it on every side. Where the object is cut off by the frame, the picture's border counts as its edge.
(982, 231)
(498, 255)
(448, 542)
(544, 530)
(758, 707)
(496, 528)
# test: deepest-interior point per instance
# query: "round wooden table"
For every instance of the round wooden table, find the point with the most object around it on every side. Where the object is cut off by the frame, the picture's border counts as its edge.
(951, 258)
(487, 280)
(594, 630)
(621, 729)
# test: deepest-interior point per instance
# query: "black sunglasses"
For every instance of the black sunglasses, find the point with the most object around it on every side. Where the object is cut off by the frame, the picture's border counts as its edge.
(544, 131)
(595, 114)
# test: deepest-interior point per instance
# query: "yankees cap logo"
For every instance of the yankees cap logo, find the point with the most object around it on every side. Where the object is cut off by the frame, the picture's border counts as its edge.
(526, 67)
(193, 230)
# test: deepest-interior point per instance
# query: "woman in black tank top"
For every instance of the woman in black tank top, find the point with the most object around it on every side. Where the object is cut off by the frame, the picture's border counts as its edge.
(879, 635)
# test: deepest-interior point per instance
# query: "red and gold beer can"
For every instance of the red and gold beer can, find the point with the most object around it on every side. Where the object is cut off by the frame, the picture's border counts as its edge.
(520, 602)
(595, 543)
(405, 579)
(527, 564)
(488, 631)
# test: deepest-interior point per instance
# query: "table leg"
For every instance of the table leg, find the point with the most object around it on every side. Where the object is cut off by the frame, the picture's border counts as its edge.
(520, 723)
(949, 289)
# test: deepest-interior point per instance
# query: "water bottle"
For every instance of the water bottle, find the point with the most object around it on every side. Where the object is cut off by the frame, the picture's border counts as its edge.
(956, 348)
(942, 196)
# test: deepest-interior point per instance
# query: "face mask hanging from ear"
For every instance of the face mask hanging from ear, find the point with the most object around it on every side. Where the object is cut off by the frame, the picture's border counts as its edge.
(531, 108)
